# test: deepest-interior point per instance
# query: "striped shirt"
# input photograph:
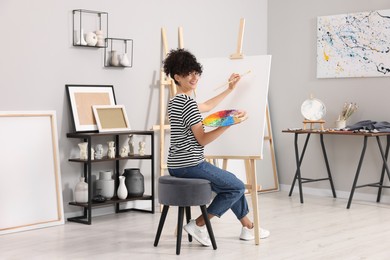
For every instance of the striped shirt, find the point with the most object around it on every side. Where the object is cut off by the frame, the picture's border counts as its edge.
(184, 151)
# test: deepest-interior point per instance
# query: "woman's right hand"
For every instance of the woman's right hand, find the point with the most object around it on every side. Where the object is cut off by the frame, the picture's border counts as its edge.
(233, 80)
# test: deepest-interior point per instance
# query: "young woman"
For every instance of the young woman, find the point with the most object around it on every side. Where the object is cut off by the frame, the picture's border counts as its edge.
(188, 138)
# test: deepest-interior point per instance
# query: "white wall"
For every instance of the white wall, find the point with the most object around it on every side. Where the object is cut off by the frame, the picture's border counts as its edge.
(38, 58)
(292, 42)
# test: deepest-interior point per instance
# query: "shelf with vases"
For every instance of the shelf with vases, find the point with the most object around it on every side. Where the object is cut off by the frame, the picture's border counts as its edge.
(87, 203)
(119, 53)
(89, 28)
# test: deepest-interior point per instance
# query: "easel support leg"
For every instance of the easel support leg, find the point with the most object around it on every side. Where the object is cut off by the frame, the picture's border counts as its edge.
(250, 168)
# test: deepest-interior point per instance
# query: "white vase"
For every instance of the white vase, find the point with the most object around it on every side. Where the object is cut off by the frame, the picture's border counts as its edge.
(122, 190)
(91, 39)
(114, 61)
(105, 185)
(81, 191)
(125, 60)
(100, 38)
(81, 40)
(341, 123)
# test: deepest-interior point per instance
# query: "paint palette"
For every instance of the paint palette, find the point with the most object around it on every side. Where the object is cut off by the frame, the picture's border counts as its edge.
(223, 118)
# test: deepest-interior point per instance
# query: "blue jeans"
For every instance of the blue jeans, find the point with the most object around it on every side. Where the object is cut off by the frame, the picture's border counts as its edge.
(229, 189)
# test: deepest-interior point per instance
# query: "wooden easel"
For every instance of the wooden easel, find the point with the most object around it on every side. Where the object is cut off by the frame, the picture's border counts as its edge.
(312, 122)
(250, 165)
(165, 81)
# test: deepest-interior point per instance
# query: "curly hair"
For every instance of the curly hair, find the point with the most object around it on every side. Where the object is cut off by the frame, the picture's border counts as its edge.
(181, 62)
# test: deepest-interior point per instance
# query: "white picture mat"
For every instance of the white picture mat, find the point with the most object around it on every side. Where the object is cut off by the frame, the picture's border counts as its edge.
(74, 90)
(246, 138)
(30, 180)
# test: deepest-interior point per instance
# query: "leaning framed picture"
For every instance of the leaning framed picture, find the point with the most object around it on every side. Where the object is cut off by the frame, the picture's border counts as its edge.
(111, 118)
(82, 98)
(30, 186)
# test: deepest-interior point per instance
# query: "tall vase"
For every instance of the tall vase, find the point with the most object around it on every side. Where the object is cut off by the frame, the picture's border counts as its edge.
(81, 191)
(114, 59)
(81, 40)
(134, 182)
(122, 190)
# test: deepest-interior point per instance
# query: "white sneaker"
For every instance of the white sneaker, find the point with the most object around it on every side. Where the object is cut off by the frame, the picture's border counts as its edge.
(199, 233)
(248, 234)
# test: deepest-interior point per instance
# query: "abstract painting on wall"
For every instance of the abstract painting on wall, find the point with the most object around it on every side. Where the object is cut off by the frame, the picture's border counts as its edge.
(354, 45)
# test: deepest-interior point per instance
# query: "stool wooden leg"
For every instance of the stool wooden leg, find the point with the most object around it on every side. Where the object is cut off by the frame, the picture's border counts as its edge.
(188, 217)
(208, 225)
(161, 224)
(179, 229)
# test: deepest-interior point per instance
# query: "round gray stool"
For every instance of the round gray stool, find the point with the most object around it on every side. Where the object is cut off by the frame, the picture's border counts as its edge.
(184, 193)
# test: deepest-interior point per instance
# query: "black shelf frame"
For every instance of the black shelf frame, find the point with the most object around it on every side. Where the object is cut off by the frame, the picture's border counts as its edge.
(109, 43)
(86, 218)
(101, 20)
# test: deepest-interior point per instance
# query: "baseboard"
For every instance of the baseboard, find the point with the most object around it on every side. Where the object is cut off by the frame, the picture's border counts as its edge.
(369, 197)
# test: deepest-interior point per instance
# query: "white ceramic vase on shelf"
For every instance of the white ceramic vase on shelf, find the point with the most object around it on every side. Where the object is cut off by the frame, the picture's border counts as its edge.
(114, 61)
(122, 190)
(100, 38)
(81, 191)
(125, 60)
(80, 36)
(91, 39)
(105, 184)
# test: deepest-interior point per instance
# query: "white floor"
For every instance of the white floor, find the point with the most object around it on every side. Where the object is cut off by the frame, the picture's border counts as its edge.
(321, 228)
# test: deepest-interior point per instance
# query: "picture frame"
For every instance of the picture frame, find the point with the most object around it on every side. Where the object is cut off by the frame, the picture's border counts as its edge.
(81, 99)
(111, 118)
(23, 204)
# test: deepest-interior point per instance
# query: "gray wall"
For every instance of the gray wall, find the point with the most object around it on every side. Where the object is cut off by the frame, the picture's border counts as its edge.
(38, 58)
(292, 42)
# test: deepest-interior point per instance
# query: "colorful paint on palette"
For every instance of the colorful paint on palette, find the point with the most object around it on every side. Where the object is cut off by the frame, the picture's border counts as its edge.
(222, 118)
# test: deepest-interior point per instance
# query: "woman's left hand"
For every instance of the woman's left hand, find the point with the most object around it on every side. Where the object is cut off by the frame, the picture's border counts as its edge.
(241, 115)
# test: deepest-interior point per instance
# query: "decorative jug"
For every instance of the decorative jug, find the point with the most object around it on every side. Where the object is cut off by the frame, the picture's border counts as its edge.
(105, 184)
(81, 191)
(134, 182)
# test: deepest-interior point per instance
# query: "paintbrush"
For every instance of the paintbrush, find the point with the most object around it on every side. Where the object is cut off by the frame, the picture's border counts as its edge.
(231, 81)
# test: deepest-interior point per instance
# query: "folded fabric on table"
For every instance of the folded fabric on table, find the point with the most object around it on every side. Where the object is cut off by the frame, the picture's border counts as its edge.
(370, 125)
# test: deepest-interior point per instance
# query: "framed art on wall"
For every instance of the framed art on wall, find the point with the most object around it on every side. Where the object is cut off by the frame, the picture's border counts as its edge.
(354, 45)
(111, 118)
(82, 98)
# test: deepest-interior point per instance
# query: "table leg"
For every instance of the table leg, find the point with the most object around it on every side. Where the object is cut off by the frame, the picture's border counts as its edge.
(357, 172)
(327, 165)
(299, 162)
(384, 167)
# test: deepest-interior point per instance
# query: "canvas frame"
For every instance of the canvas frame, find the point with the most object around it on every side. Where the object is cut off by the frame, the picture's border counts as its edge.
(28, 164)
(81, 99)
(111, 118)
